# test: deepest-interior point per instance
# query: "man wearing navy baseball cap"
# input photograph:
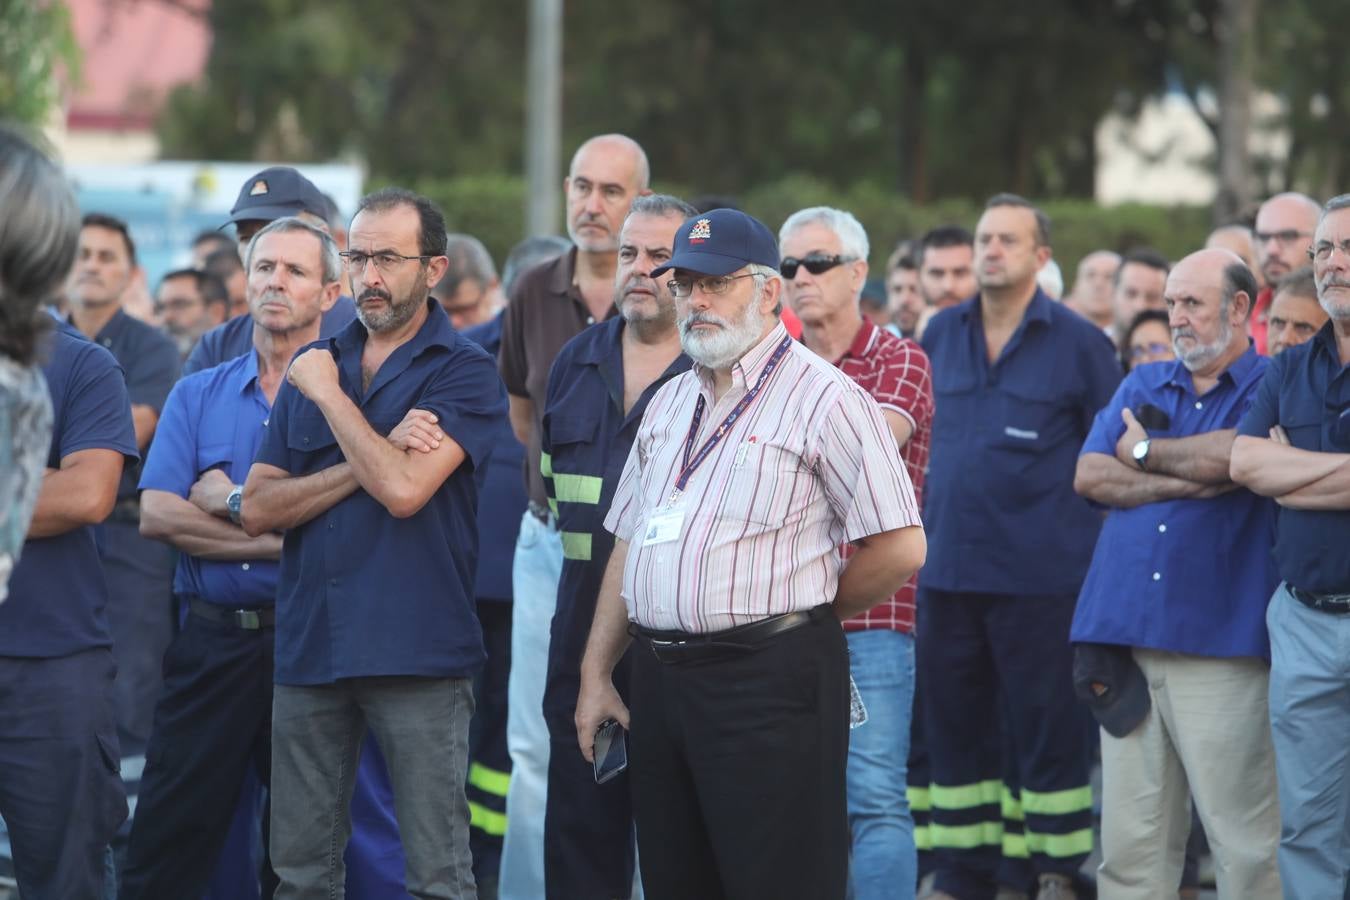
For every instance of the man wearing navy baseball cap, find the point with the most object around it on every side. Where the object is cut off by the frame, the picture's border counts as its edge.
(746, 474)
(274, 193)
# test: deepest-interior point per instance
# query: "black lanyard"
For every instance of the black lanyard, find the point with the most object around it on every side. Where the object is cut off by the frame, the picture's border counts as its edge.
(690, 465)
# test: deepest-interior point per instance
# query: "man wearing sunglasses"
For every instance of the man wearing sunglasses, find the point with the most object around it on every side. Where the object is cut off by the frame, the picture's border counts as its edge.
(1283, 234)
(824, 268)
(1294, 445)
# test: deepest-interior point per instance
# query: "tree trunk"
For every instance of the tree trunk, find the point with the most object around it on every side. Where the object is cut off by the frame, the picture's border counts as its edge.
(1235, 32)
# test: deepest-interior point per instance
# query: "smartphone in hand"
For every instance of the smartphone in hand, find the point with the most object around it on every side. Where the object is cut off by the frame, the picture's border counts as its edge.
(611, 751)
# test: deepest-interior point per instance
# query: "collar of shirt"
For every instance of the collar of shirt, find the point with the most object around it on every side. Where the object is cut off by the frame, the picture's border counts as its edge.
(748, 367)
(1236, 373)
(862, 342)
(349, 343)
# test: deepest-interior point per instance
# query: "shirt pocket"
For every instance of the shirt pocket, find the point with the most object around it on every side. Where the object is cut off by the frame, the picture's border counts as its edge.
(576, 478)
(1304, 428)
(214, 456)
(1027, 422)
(766, 485)
(310, 434)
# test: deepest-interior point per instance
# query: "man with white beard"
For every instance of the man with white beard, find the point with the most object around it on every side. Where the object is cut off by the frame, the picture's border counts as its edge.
(747, 473)
(1294, 445)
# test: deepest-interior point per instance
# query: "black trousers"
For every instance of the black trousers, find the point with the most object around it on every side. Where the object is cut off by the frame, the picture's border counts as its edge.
(489, 761)
(213, 721)
(738, 770)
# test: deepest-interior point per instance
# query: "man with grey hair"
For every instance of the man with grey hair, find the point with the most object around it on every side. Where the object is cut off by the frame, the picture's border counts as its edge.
(1176, 597)
(746, 474)
(1283, 234)
(598, 390)
(551, 304)
(1294, 445)
(469, 291)
(824, 267)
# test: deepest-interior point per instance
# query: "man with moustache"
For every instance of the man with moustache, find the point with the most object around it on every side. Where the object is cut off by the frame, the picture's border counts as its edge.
(1294, 445)
(213, 719)
(1283, 234)
(550, 305)
(1017, 380)
(746, 475)
(824, 266)
(1295, 313)
(188, 304)
(138, 571)
(600, 386)
(375, 617)
(1176, 595)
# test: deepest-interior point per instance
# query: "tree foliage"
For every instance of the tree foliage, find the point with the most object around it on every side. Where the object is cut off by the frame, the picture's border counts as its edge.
(36, 45)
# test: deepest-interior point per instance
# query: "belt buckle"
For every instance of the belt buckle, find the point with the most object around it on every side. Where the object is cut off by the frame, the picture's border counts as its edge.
(247, 619)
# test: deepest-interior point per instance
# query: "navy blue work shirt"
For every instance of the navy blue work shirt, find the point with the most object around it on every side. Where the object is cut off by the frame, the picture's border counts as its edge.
(57, 595)
(501, 499)
(151, 363)
(585, 439)
(213, 420)
(1305, 391)
(235, 337)
(363, 593)
(999, 506)
(1188, 576)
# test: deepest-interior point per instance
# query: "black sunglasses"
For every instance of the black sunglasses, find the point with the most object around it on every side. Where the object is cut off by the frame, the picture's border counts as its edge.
(815, 263)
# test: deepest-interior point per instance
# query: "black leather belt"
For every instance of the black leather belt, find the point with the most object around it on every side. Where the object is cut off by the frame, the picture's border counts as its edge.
(246, 619)
(681, 647)
(543, 514)
(1336, 604)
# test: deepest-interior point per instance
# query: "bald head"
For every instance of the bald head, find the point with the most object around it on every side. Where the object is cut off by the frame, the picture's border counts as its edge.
(1284, 230)
(1237, 238)
(1209, 296)
(606, 174)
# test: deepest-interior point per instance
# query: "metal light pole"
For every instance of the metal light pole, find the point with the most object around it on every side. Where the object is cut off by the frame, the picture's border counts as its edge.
(543, 117)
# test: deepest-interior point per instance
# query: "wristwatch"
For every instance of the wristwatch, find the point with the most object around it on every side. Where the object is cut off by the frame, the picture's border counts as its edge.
(234, 502)
(1140, 454)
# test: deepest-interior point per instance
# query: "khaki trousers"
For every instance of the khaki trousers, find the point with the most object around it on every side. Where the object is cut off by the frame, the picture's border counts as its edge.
(1207, 736)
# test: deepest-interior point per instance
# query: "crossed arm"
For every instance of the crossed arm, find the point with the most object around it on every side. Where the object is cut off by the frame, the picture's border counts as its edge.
(1195, 467)
(82, 492)
(1297, 479)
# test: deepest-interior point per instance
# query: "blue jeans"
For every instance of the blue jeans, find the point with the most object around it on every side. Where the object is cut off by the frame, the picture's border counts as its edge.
(1309, 699)
(884, 864)
(535, 573)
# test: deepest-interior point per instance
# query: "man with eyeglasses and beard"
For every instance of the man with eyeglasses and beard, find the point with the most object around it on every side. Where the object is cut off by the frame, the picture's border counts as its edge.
(747, 474)
(1294, 445)
(1283, 234)
(375, 615)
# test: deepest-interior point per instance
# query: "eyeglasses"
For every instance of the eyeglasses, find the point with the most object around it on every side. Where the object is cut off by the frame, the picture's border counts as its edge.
(1321, 252)
(1139, 351)
(1283, 238)
(386, 260)
(708, 284)
(815, 263)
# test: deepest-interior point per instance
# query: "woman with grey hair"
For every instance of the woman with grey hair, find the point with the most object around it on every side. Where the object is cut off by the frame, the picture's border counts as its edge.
(38, 235)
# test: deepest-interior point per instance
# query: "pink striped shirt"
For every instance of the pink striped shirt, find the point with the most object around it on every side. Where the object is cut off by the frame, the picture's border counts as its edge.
(810, 465)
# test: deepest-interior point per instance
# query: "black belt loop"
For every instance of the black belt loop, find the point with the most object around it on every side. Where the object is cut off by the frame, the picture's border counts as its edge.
(1335, 604)
(678, 647)
(243, 619)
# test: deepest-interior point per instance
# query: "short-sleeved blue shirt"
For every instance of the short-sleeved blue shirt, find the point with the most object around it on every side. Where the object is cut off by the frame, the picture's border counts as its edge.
(361, 592)
(235, 337)
(57, 593)
(501, 500)
(586, 439)
(213, 420)
(151, 363)
(1305, 391)
(1188, 576)
(999, 505)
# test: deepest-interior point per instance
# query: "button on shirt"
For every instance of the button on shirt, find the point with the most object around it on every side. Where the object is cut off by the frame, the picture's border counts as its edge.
(1304, 391)
(586, 440)
(895, 372)
(501, 499)
(1187, 576)
(57, 596)
(213, 420)
(361, 592)
(1001, 513)
(810, 465)
(235, 337)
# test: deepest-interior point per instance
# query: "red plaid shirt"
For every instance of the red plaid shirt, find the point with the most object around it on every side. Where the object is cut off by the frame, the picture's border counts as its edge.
(895, 371)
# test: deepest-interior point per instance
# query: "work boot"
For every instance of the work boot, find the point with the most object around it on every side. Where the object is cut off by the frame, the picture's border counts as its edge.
(1056, 887)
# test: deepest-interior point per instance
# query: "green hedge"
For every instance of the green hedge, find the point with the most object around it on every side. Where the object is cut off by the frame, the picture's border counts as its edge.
(492, 209)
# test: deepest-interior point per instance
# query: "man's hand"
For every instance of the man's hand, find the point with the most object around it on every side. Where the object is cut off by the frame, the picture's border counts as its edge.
(596, 701)
(209, 493)
(314, 373)
(1134, 433)
(417, 431)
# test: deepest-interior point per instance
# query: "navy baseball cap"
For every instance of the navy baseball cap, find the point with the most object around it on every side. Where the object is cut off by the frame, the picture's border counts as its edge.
(720, 241)
(276, 193)
(1110, 682)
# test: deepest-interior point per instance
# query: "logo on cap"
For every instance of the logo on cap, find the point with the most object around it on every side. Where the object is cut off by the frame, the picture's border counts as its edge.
(259, 187)
(701, 232)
